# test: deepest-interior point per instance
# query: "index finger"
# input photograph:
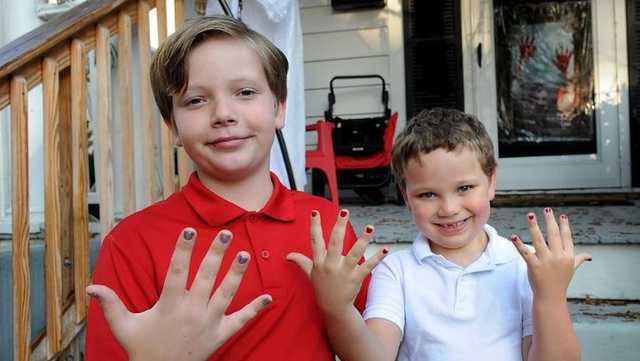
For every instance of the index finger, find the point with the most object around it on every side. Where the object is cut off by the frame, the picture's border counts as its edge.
(176, 278)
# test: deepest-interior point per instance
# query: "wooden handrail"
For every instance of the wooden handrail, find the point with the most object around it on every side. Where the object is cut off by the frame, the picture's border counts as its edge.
(55, 56)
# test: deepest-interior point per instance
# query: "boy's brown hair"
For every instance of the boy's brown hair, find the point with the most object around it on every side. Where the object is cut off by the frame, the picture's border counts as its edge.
(437, 128)
(169, 66)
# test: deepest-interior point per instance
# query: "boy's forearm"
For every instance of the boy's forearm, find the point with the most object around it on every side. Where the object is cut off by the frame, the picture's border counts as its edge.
(553, 335)
(351, 338)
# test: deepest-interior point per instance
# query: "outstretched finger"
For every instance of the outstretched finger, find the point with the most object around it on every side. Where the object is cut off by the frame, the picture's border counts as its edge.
(235, 321)
(318, 248)
(579, 259)
(565, 233)
(336, 242)
(302, 261)
(357, 250)
(537, 239)
(227, 289)
(208, 270)
(528, 256)
(553, 231)
(176, 279)
(373, 261)
(114, 310)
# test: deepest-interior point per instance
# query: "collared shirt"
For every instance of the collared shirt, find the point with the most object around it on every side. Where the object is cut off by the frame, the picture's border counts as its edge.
(135, 256)
(447, 312)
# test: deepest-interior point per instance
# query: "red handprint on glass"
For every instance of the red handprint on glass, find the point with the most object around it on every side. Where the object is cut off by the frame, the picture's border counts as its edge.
(562, 60)
(527, 50)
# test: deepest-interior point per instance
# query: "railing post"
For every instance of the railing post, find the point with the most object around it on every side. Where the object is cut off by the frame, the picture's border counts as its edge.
(20, 208)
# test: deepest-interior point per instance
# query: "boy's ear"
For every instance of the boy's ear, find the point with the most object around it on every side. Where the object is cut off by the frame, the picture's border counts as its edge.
(492, 185)
(281, 112)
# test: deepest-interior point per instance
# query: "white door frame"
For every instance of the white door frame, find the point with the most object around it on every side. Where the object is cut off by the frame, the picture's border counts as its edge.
(611, 166)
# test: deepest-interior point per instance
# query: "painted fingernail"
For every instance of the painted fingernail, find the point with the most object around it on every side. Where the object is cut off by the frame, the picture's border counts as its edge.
(242, 259)
(188, 234)
(314, 213)
(385, 251)
(547, 210)
(368, 229)
(563, 217)
(531, 216)
(514, 238)
(343, 213)
(589, 259)
(266, 301)
(225, 237)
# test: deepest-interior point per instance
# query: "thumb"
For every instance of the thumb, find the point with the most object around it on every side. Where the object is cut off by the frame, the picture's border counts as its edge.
(114, 310)
(579, 259)
(302, 261)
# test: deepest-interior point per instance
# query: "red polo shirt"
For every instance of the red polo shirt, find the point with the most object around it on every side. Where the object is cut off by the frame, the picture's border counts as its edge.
(135, 256)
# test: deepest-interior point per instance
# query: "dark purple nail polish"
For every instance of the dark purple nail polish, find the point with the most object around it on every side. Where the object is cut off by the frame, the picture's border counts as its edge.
(188, 234)
(225, 237)
(563, 216)
(547, 210)
(589, 259)
(385, 251)
(514, 238)
(368, 229)
(531, 217)
(343, 213)
(242, 259)
(314, 213)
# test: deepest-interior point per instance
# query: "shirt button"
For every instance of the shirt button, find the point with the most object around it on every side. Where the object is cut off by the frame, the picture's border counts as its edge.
(265, 254)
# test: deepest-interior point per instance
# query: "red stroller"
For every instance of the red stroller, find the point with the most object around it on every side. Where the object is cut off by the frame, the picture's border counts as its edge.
(362, 148)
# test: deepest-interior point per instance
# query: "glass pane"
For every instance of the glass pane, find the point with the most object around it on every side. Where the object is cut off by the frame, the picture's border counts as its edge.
(544, 67)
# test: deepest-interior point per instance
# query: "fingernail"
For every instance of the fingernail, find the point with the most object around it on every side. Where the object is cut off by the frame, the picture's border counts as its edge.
(242, 259)
(563, 217)
(314, 213)
(266, 301)
(385, 251)
(589, 259)
(343, 213)
(547, 210)
(368, 229)
(188, 234)
(531, 216)
(514, 238)
(225, 237)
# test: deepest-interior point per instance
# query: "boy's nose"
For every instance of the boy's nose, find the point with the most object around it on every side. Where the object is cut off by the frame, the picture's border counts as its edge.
(448, 207)
(222, 114)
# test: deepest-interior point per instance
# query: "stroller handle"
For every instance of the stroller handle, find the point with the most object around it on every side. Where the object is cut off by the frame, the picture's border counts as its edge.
(328, 114)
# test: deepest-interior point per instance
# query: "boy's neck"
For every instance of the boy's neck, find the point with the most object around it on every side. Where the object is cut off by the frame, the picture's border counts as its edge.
(465, 256)
(249, 193)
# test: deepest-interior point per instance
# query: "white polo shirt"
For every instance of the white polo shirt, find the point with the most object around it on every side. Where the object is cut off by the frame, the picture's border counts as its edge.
(451, 313)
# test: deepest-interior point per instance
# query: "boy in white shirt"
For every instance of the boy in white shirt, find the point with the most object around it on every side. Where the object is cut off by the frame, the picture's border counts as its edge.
(461, 292)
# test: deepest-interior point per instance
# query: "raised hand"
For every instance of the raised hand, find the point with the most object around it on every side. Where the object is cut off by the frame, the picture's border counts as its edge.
(336, 278)
(527, 48)
(553, 264)
(563, 57)
(183, 324)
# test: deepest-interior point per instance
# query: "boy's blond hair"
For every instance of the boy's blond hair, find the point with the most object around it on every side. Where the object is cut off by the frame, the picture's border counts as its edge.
(169, 66)
(437, 128)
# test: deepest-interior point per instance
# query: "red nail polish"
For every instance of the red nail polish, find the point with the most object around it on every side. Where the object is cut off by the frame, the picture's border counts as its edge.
(385, 251)
(514, 238)
(368, 229)
(562, 216)
(531, 217)
(547, 210)
(343, 213)
(314, 213)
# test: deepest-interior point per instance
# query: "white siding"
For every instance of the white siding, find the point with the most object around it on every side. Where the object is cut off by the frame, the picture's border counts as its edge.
(352, 43)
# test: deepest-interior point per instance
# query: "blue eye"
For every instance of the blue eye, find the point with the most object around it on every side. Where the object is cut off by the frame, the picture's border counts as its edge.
(194, 101)
(465, 188)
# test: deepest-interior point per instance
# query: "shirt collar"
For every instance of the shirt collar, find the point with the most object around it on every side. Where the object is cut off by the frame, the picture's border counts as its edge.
(217, 211)
(498, 250)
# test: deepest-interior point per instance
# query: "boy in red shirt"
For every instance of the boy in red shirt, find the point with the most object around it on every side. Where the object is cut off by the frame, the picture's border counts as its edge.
(221, 88)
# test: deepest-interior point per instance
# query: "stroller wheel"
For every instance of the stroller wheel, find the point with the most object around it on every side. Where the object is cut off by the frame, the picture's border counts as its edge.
(371, 196)
(318, 183)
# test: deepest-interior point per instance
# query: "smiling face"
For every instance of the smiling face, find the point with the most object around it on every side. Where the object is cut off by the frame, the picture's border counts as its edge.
(226, 117)
(449, 197)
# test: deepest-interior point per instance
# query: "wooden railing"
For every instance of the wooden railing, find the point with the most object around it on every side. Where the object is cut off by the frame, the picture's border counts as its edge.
(55, 56)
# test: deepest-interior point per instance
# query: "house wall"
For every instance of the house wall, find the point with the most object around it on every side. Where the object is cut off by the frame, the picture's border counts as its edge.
(352, 43)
